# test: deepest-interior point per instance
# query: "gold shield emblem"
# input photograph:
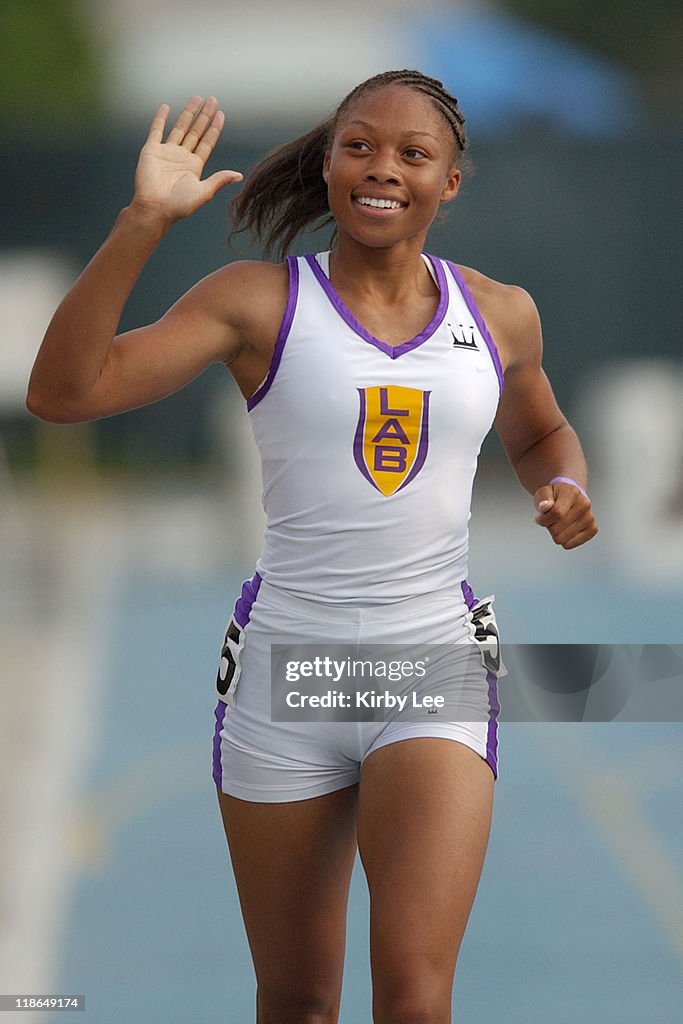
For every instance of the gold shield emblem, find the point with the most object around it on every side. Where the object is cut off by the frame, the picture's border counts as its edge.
(392, 435)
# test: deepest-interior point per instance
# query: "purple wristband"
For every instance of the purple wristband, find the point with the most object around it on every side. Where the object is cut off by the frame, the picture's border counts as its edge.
(568, 480)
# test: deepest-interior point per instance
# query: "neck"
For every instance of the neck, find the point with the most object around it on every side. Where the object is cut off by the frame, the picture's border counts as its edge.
(384, 273)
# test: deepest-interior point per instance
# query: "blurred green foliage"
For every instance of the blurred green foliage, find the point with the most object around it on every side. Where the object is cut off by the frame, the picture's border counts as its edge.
(644, 35)
(50, 77)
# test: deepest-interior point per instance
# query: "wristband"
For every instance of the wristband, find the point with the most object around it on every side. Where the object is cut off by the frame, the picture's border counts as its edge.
(568, 480)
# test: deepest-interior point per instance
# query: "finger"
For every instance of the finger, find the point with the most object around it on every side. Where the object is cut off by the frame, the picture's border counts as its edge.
(544, 499)
(557, 521)
(184, 120)
(574, 519)
(158, 125)
(567, 506)
(581, 537)
(199, 125)
(549, 512)
(219, 180)
(555, 514)
(210, 137)
(563, 533)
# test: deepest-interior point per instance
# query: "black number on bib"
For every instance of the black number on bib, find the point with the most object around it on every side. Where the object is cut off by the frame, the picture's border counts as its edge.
(229, 668)
(484, 632)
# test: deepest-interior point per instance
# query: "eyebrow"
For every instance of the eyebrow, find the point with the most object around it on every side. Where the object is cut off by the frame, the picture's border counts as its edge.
(364, 124)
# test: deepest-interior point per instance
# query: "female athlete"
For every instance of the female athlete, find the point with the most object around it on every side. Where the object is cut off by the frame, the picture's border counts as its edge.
(371, 375)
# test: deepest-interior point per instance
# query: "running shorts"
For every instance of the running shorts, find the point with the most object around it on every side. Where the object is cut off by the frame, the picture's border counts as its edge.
(260, 759)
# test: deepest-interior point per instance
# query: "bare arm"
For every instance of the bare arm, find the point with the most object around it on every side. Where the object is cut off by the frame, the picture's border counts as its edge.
(540, 443)
(82, 371)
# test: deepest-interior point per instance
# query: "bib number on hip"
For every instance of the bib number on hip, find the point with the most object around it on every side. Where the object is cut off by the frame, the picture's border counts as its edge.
(229, 668)
(483, 630)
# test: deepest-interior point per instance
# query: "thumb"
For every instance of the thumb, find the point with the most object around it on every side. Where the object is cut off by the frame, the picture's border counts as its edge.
(219, 180)
(544, 499)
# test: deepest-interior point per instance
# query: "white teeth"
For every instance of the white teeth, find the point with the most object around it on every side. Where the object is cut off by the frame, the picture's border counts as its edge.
(380, 204)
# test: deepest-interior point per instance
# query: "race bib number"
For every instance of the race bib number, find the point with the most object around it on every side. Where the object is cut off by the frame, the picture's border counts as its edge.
(229, 668)
(483, 630)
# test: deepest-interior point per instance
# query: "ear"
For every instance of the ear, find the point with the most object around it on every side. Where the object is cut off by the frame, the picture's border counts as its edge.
(450, 189)
(326, 166)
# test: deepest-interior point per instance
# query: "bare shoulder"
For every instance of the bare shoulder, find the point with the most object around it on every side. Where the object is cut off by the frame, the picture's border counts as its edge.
(510, 314)
(252, 273)
(235, 313)
(249, 296)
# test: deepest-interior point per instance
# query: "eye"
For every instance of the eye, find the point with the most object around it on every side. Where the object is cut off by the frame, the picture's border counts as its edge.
(415, 154)
(358, 144)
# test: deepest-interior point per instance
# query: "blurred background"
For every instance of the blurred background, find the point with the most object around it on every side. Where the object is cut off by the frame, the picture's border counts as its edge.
(123, 542)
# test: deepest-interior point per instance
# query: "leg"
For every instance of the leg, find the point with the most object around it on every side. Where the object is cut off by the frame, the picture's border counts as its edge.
(293, 864)
(424, 816)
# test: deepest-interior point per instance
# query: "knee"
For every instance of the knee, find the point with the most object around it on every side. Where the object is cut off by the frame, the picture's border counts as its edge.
(298, 1016)
(413, 1013)
(414, 1008)
(285, 1007)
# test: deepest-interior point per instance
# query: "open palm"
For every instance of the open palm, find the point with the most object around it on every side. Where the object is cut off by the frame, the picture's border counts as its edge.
(168, 177)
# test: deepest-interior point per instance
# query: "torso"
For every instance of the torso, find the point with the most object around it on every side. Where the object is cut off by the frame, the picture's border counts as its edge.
(393, 323)
(368, 445)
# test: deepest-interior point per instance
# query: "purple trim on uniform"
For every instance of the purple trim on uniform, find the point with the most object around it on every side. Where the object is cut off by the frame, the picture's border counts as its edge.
(481, 324)
(393, 351)
(358, 446)
(494, 704)
(568, 480)
(221, 708)
(492, 731)
(250, 589)
(424, 443)
(468, 594)
(241, 613)
(283, 333)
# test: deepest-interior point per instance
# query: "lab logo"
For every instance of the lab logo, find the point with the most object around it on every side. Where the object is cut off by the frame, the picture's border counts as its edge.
(392, 436)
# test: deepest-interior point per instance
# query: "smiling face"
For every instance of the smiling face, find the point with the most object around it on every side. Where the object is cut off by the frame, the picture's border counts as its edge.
(390, 166)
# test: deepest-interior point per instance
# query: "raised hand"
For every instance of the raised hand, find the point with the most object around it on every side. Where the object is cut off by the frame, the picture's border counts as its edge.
(168, 177)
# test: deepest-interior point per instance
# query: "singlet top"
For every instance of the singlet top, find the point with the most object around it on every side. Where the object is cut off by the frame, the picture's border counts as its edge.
(369, 450)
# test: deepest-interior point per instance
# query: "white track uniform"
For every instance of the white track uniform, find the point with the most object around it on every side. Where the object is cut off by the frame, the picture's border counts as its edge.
(368, 456)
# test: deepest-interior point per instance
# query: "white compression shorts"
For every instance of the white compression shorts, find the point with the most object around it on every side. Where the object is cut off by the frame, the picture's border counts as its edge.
(256, 758)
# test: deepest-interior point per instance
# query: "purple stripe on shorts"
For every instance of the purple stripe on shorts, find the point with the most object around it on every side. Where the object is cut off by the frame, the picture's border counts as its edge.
(241, 613)
(283, 333)
(479, 320)
(220, 711)
(250, 589)
(494, 704)
(393, 351)
(492, 731)
(468, 594)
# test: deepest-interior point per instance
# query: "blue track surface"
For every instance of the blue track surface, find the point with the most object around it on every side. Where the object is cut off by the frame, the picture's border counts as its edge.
(561, 931)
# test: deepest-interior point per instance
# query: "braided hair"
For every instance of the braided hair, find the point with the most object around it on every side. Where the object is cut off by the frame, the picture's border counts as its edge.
(443, 101)
(285, 193)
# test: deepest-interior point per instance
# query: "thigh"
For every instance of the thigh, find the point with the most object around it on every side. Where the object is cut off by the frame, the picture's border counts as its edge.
(424, 817)
(292, 864)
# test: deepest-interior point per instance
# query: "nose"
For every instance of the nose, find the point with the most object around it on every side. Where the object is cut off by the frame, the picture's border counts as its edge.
(383, 169)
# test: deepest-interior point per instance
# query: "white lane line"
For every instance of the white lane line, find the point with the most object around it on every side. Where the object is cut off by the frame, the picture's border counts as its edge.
(611, 805)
